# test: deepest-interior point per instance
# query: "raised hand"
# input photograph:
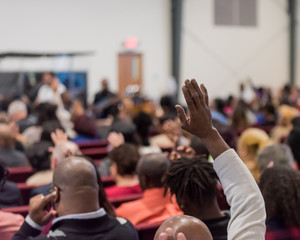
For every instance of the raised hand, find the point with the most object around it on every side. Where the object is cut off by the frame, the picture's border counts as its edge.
(169, 235)
(199, 121)
(115, 139)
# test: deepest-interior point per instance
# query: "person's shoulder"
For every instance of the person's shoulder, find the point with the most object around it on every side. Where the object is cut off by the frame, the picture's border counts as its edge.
(10, 219)
(125, 229)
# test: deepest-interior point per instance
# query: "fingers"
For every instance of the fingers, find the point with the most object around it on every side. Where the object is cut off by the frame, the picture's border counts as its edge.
(48, 216)
(48, 199)
(163, 236)
(180, 236)
(188, 98)
(198, 90)
(205, 94)
(195, 92)
(182, 116)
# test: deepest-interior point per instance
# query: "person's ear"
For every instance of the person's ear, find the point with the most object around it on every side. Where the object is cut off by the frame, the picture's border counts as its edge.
(113, 169)
(57, 196)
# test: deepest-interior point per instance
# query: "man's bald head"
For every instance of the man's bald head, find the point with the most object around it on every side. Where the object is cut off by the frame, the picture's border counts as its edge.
(75, 174)
(151, 169)
(6, 137)
(191, 227)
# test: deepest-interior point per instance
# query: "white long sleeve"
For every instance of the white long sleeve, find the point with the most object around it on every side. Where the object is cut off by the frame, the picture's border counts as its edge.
(248, 213)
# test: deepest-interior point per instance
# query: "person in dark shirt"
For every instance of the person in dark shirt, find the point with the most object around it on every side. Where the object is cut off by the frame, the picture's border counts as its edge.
(194, 183)
(75, 201)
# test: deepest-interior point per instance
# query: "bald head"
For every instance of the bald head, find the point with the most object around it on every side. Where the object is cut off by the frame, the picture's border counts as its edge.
(191, 227)
(151, 169)
(6, 138)
(75, 173)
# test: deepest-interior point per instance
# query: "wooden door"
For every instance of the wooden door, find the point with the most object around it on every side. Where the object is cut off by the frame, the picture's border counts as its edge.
(130, 70)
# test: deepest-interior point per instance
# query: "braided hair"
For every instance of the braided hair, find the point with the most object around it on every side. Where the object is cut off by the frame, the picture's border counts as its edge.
(192, 179)
(280, 187)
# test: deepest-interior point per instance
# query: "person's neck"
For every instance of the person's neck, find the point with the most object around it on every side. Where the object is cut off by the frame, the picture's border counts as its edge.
(79, 204)
(208, 212)
(126, 181)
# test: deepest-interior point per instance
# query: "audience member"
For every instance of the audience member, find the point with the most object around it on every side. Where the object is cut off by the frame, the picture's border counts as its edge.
(293, 140)
(124, 159)
(184, 228)
(194, 183)
(9, 222)
(278, 154)
(39, 158)
(249, 143)
(75, 200)
(247, 205)
(280, 187)
(154, 206)
(51, 90)
(199, 147)
(17, 112)
(10, 156)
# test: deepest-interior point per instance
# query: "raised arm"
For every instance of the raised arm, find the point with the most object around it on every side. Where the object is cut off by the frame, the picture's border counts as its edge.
(242, 193)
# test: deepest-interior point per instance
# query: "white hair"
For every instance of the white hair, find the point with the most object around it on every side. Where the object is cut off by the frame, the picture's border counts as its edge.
(16, 107)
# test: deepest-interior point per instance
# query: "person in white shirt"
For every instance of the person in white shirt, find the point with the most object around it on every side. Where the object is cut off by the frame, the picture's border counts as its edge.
(51, 90)
(248, 214)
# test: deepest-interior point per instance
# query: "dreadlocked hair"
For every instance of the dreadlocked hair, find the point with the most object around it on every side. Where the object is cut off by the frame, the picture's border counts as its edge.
(280, 187)
(192, 179)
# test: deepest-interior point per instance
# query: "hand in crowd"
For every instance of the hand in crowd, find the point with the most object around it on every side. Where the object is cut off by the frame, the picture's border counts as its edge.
(180, 151)
(40, 208)
(77, 109)
(199, 121)
(169, 235)
(115, 139)
(58, 136)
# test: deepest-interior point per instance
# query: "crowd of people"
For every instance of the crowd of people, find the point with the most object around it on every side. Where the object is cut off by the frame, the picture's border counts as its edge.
(179, 160)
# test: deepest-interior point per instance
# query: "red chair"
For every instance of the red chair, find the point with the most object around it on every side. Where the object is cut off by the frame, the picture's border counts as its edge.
(20, 174)
(147, 231)
(23, 210)
(117, 201)
(92, 144)
(95, 153)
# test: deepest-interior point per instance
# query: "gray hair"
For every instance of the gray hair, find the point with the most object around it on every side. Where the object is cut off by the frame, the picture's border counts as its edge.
(16, 107)
(279, 154)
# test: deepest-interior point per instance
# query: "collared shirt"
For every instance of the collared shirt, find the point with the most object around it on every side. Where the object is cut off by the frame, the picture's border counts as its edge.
(153, 207)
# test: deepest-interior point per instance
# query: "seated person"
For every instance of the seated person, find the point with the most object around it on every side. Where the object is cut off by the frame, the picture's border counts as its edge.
(9, 222)
(293, 140)
(39, 158)
(249, 143)
(154, 206)
(280, 187)
(279, 154)
(123, 164)
(9, 155)
(183, 227)
(75, 201)
(194, 183)
(247, 206)
(10, 194)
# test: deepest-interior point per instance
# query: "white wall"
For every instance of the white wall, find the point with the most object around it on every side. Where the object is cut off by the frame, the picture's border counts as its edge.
(93, 25)
(222, 56)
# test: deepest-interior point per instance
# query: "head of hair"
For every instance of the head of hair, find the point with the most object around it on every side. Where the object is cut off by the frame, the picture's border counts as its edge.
(3, 174)
(46, 112)
(143, 123)
(199, 147)
(16, 106)
(48, 128)
(280, 187)
(192, 180)
(167, 103)
(151, 169)
(191, 227)
(293, 140)
(6, 138)
(279, 154)
(38, 155)
(52, 74)
(239, 118)
(127, 129)
(125, 157)
(296, 122)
